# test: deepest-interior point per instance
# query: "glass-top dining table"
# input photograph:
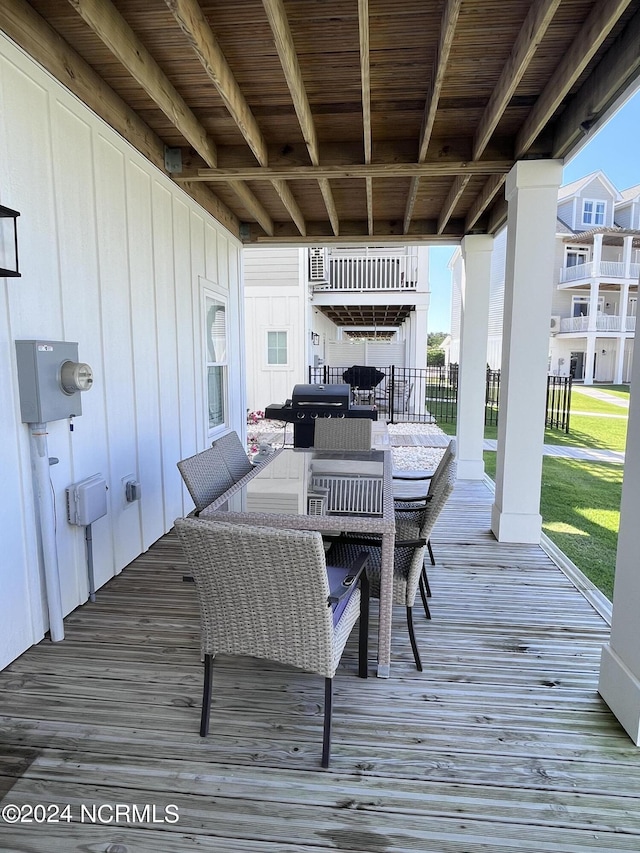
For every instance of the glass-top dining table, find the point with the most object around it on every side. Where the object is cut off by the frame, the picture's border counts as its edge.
(329, 491)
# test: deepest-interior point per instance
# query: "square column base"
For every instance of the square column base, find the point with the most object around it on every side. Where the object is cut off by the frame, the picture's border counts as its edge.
(521, 528)
(620, 689)
(470, 469)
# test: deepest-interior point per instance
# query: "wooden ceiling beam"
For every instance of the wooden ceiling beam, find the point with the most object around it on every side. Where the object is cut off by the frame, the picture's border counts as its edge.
(447, 32)
(283, 39)
(365, 77)
(34, 35)
(615, 73)
(109, 25)
(453, 197)
(535, 26)
(483, 200)
(360, 170)
(603, 16)
(191, 20)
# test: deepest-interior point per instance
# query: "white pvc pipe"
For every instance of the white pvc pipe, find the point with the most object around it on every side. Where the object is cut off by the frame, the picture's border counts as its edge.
(46, 522)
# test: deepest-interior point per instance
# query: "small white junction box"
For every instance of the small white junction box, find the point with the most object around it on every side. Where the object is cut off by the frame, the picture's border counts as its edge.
(87, 500)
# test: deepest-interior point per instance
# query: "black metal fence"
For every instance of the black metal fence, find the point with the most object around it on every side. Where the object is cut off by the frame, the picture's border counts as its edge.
(430, 395)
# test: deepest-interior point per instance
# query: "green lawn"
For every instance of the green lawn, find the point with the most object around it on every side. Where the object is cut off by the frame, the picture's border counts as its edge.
(580, 500)
(580, 506)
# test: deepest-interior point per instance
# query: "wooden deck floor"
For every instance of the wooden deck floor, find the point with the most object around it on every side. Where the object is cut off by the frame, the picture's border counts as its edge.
(502, 745)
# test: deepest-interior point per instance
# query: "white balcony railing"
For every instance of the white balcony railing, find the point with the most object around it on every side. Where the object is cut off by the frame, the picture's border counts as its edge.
(604, 323)
(358, 273)
(576, 272)
(605, 269)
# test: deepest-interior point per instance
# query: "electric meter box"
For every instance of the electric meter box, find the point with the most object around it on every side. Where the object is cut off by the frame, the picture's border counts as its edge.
(87, 500)
(50, 380)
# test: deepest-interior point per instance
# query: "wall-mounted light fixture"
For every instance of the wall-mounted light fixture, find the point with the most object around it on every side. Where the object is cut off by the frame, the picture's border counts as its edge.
(9, 243)
(315, 339)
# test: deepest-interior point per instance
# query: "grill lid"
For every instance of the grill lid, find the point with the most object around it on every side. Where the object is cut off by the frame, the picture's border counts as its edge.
(320, 396)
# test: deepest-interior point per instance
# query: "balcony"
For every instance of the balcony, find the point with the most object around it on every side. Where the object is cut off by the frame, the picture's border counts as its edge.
(502, 743)
(604, 323)
(370, 272)
(605, 269)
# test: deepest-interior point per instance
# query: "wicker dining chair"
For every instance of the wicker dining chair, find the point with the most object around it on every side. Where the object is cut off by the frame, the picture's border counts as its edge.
(234, 455)
(342, 434)
(269, 593)
(412, 534)
(411, 492)
(206, 476)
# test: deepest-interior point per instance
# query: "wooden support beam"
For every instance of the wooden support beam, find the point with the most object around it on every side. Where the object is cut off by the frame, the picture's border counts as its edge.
(373, 170)
(365, 77)
(615, 72)
(483, 200)
(254, 207)
(289, 60)
(327, 195)
(286, 196)
(283, 38)
(594, 31)
(447, 31)
(457, 188)
(194, 25)
(34, 35)
(411, 203)
(535, 26)
(109, 25)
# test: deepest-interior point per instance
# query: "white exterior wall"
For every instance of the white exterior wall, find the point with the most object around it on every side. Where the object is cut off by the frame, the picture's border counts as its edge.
(114, 256)
(274, 301)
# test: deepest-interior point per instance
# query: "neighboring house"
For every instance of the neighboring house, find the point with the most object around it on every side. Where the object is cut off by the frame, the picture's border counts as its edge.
(595, 291)
(337, 306)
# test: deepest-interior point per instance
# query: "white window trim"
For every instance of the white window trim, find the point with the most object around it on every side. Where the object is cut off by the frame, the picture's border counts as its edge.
(219, 294)
(287, 332)
(595, 202)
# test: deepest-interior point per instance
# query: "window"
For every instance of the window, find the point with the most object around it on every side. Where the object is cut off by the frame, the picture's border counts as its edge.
(593, 212)
(576, 256)
(216, 358)
(277, 348)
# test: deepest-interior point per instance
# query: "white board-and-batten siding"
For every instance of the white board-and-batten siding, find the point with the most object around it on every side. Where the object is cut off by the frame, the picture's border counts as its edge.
(116, 257)
(275, 300)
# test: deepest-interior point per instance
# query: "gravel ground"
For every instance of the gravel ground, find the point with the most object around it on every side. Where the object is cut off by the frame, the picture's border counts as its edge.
(409, 458)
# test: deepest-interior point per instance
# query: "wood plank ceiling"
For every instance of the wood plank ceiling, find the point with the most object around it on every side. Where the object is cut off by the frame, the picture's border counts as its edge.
(328, 121)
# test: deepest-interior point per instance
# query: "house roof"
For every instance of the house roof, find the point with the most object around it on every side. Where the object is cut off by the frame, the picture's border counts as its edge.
(568, 190)
(320, 121)
(630, 194)
(614, 233)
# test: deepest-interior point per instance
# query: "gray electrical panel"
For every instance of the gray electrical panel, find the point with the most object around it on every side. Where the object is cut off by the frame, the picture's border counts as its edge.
(87, 500)
(45, 392)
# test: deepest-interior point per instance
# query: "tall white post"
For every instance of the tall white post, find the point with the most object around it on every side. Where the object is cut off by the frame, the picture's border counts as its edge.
(474, 325)
(532, 194)
(620, 665)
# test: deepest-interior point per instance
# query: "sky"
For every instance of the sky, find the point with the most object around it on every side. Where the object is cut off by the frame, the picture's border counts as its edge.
(615, 149)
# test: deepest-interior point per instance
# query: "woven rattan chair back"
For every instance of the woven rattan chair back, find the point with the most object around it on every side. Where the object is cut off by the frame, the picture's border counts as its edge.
(264, 593)
(234, 455)
(342, 434)
(206, 476)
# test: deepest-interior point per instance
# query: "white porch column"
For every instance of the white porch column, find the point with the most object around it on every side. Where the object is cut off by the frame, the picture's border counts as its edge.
(620, 665)
(532, 193)
(620, 343)
(626, 258)
(474, 325)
